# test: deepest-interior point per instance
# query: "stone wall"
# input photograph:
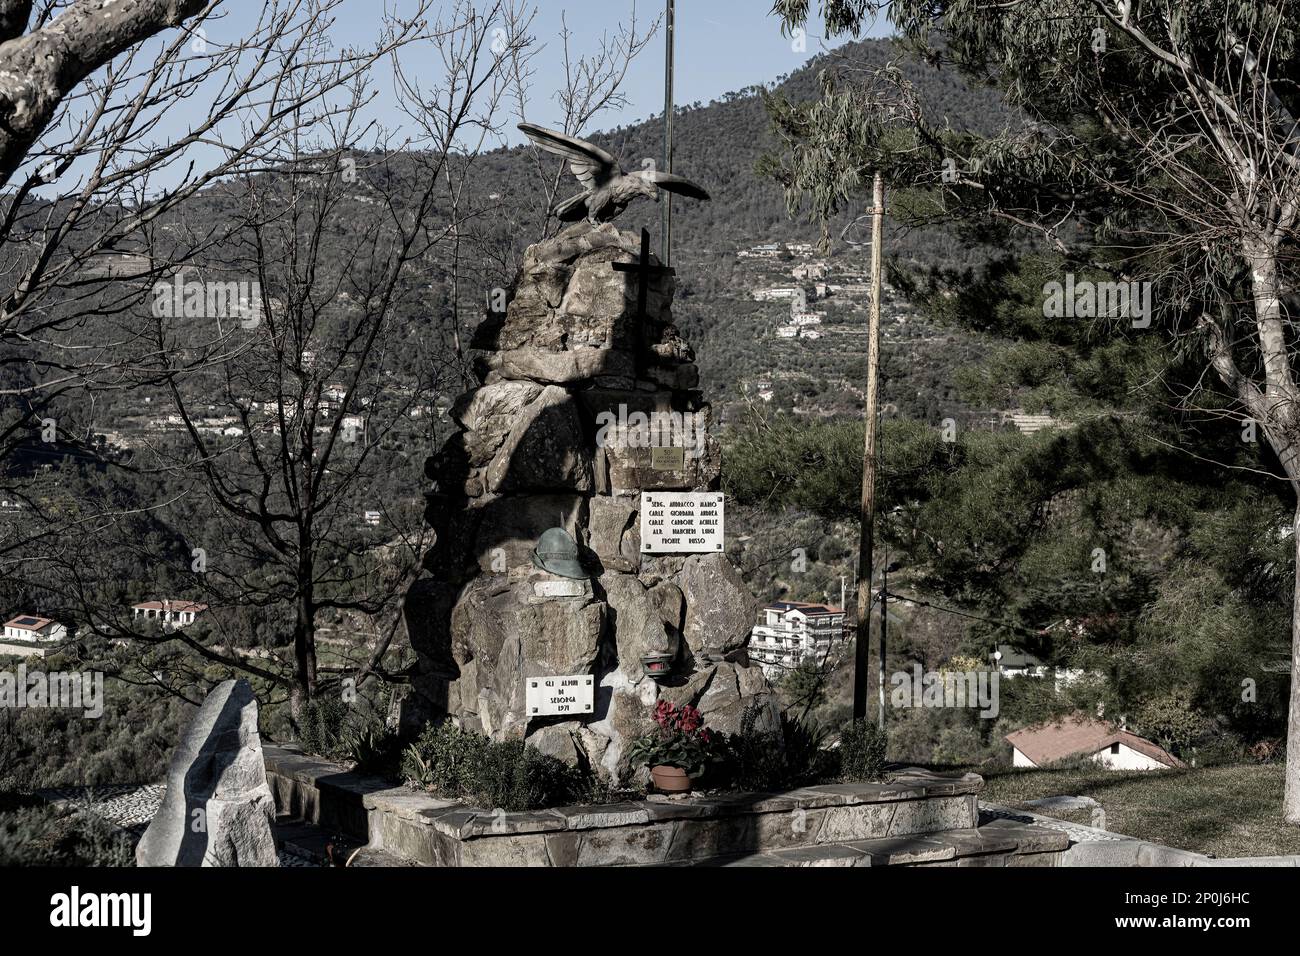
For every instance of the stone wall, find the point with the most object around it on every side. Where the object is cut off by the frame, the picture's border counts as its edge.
(916, 818)
(551, 438)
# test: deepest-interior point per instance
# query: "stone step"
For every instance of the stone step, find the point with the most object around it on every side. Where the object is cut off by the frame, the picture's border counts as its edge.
(1002, 843)
(320, 846)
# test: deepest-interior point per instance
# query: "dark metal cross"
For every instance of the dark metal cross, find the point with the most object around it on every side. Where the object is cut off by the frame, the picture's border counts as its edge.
(644, 271)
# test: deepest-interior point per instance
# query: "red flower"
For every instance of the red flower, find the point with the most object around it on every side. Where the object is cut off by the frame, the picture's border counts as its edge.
(665, 714)
(689, 719)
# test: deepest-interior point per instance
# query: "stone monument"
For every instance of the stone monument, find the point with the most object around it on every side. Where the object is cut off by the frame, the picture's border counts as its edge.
(588, 399)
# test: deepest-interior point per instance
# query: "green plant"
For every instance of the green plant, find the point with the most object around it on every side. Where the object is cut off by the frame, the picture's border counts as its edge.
(514, 776)
(776, 760)
(806, 757)
(509, 775)
(320, 728)
(374, 749)
(862, 751)
(1171, 721)
(444, 759)
(49, 836)
(681, 740)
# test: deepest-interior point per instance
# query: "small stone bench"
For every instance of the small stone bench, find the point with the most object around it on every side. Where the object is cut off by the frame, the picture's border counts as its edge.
(889, 823)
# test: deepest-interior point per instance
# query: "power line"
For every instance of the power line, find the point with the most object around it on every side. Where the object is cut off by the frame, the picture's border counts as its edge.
(966, 614)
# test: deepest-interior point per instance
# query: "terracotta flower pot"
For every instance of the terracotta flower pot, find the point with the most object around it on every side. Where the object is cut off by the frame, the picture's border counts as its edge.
(670, 779)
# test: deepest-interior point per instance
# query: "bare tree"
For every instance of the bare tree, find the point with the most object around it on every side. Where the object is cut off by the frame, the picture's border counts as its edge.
(593, 84)
(98, 166)
(301, 420)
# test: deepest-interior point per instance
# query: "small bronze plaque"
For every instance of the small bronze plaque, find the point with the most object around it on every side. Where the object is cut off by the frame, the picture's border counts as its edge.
(667, 459)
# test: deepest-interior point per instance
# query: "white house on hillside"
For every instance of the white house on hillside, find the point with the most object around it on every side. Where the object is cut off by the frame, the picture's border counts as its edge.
(1077, 735)
(24, 635)
(790, 631)
(29, 627)
(1013, 662)
(170, 614)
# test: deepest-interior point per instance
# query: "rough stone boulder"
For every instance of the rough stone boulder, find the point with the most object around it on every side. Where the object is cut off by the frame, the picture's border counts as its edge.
(568, 298)
(723, 692)
(544, 450)
(487, 414)
(218, 808)
(720, 610)
(631, 423)
(501, 633)
(636, 620)
(563, 367)
(615, 532)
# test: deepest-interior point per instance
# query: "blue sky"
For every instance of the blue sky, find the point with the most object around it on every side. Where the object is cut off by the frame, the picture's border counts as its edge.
(721, 45)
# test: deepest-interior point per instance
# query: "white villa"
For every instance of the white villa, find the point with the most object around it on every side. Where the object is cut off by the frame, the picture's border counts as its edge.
(26, 630)
(811, 270)
(791, 630)
(170, 614)
(797, 332)
(778, 292)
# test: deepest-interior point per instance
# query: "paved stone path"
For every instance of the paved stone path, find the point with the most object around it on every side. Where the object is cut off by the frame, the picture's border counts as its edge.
(1077, 831)
(130, 807)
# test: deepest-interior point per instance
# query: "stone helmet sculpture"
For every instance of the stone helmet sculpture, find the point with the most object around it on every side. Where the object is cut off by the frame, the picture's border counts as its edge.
(557, 553)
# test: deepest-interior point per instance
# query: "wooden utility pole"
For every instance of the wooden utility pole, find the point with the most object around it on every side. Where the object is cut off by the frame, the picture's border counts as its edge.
(862, 650)
(666, 224)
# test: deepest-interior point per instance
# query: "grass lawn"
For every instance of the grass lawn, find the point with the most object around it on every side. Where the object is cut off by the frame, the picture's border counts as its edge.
(1224, 811)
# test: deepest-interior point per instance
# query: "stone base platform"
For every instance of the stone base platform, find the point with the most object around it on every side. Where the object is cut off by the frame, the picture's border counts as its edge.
(916, 818)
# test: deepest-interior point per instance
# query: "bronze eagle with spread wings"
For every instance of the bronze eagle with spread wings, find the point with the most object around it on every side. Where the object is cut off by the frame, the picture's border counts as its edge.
(609, 190)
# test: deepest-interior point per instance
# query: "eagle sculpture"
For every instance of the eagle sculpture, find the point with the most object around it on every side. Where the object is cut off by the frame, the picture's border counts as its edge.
(609, 190)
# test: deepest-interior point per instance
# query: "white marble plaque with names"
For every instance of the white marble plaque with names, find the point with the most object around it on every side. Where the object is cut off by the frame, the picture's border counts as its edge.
(681, 522)
(548, 696)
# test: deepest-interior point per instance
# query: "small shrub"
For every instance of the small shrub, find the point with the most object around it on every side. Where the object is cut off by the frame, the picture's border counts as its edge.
(374, 749)
(755, 761)
(862, 752)
(512, 776)
(777, 760)
(444, 759)
(1171, 721)
(320, 728)
(49, 836)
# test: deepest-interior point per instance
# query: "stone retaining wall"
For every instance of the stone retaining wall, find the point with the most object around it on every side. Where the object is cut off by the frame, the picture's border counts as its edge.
(654, 831)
